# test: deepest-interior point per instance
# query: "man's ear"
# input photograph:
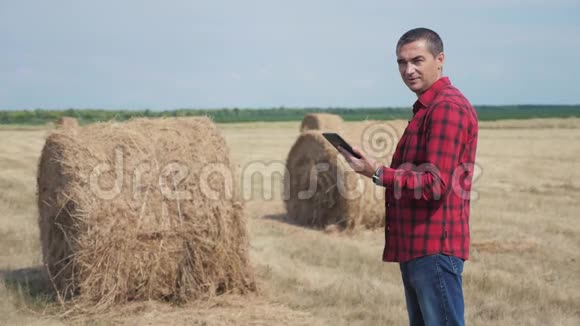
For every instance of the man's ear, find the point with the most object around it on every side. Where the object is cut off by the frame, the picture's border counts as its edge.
(440, 59)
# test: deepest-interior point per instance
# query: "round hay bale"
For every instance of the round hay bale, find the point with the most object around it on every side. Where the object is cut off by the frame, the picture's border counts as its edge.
(142, 210)
(67, 122)
(322, 122)
(321, 189)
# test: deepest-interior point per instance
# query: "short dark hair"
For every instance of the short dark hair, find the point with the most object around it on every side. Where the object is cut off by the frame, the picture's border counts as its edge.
(432, 39)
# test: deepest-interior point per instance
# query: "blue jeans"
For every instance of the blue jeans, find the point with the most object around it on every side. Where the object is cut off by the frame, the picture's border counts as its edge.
(433, 290)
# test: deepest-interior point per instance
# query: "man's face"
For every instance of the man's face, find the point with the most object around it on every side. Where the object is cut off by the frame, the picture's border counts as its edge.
(418, 67)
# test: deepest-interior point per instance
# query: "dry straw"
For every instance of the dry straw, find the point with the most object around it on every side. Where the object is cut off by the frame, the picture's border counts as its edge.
(159, 236)
(66, 123)
(321, 121)
(323, 191)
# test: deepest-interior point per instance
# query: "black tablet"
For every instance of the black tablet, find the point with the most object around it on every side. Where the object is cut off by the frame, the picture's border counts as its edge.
(336, 141)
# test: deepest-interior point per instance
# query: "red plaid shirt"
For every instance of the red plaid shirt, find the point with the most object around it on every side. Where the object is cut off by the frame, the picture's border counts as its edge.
(429, 182)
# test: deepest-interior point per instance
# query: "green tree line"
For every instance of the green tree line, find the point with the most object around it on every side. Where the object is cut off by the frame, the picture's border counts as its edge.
(85, 116)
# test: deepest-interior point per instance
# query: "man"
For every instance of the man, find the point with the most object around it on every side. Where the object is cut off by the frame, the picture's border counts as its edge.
(428, 185)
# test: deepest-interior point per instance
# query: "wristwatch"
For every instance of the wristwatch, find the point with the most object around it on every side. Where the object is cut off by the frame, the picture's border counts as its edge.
(377, 177)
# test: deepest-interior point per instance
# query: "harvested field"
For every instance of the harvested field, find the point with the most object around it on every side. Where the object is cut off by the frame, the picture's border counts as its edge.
(524, 265)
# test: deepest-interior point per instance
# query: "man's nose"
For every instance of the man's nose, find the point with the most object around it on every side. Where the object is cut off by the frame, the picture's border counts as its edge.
(410, 69)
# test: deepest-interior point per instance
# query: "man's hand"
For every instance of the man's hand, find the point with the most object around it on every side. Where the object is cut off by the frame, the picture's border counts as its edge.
(363, 165)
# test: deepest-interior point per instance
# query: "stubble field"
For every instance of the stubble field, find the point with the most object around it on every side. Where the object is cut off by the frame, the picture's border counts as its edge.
(525, 254)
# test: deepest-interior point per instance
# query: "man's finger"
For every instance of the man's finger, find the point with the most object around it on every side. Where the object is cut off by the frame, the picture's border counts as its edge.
(348, 156)
(356, 150)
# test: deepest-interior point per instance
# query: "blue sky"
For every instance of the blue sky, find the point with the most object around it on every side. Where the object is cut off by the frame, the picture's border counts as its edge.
(209, 54)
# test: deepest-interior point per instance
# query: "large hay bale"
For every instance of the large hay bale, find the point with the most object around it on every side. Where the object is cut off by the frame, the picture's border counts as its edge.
(320, 188)
(67, 122)
(142, 210)
(322, 122)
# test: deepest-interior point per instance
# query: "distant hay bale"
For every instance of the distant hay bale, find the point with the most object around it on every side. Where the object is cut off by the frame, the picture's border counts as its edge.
(321, 121)
(142, 210)
(321, 189)
(67, 122)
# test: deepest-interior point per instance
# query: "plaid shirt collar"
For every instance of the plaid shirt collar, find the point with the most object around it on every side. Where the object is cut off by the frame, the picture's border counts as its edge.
(427, 98)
